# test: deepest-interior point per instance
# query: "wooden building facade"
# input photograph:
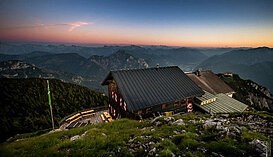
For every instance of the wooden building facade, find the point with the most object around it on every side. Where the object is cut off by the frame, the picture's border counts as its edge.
(141, 93)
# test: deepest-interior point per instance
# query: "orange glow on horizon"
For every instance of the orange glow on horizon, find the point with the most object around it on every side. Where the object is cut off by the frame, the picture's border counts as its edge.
(128, 37)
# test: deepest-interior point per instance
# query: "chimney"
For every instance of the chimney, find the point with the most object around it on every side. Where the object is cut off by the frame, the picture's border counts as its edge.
(157, 66)
(198, 72)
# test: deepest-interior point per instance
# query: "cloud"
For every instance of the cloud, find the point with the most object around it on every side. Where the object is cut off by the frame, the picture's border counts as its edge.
(77, 24)
(72, 26)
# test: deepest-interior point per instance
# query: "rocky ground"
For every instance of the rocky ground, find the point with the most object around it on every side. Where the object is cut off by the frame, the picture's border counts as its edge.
(225, 126)
(244, 134)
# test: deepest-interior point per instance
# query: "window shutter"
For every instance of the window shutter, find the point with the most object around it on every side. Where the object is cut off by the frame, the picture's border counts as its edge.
(120, 101)
(124, 106)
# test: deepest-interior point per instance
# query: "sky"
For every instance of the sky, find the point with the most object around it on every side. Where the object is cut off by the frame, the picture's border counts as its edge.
(190, 23)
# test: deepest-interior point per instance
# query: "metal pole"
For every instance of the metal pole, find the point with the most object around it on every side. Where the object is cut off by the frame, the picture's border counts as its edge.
(270, 148)
(52, 116)
(266, 150)
(50, 105)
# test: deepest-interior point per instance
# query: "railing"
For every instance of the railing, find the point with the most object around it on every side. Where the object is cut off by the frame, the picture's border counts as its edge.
(82, 113)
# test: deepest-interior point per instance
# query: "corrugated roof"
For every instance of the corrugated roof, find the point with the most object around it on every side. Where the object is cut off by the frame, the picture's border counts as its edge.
(210, 82)
(224, 104)
(206, 96)
(142, 88)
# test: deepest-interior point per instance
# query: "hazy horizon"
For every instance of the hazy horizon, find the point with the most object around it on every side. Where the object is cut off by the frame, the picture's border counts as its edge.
(101, 45)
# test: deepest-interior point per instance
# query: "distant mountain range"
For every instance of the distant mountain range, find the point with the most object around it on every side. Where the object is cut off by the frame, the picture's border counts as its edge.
(119, 60)
(95, 62)
(21, 69)
(68, 62)
(255, 64)
(186, 58)
(69, 67)
(218, 51)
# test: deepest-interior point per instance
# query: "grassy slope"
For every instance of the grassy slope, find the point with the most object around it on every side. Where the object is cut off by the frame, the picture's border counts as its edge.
(112, 139)
(24, 103)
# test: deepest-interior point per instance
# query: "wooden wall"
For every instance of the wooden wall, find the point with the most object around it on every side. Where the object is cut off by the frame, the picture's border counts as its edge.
(120, 112)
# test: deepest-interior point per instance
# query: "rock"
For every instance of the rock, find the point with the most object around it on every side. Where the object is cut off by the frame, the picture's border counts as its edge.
(231, 134)
(250, 117)
(225, 115)
(152, 129)
(214, 154)
(168, 119)
(260, 146)
(84, 134)
(192, 121)
(226, 129)
(209, 123)
(243, 128)
(131, 140)
(175, 132)
(237, 130)
(74, 138)
(155, 119)
(103, 134)
(179, 122)
(202, 149)
(158, 123)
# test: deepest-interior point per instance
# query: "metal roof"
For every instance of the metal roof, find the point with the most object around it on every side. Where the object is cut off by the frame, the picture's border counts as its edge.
(223, 104)
(206, 96)
(210, 82)
(142, 88)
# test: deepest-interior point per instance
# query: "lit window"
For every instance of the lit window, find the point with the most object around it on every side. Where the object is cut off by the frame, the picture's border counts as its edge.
(148, 110)
(183, 103)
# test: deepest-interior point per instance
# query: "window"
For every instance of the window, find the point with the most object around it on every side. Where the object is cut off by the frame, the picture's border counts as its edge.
(176, 103)
(164, 106)
(148, 110)
(183, 102)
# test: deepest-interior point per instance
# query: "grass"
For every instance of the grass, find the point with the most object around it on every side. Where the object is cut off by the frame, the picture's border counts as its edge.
(101, 140)
(111, 139)
(28, 135)
(249, 136)
(254, 112)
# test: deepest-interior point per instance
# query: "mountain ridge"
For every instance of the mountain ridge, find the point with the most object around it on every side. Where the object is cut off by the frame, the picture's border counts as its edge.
(32, 71)
(255, 64)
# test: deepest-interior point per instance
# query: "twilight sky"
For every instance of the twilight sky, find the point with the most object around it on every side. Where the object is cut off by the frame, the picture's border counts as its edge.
(196, 23)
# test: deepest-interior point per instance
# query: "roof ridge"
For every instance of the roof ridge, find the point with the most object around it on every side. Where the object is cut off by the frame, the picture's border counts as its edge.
(131, 69)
